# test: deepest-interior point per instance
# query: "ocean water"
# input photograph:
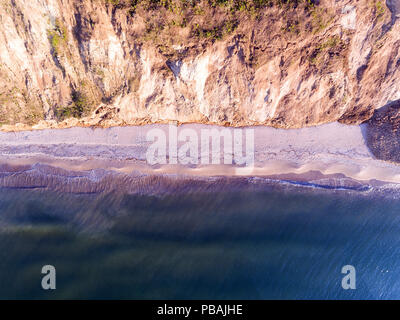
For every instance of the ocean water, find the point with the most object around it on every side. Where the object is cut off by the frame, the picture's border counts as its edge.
(272, 243)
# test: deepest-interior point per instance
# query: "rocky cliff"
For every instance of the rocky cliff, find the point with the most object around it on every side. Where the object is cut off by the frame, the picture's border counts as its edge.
(284, 63)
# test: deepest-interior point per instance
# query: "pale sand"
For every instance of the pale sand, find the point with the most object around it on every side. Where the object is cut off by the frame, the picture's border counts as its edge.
(330, 149)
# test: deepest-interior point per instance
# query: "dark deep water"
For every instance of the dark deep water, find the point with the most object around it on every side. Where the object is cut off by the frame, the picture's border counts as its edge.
(265, 244)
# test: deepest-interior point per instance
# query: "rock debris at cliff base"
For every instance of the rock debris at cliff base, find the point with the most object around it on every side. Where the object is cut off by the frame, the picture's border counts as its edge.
(382, 132)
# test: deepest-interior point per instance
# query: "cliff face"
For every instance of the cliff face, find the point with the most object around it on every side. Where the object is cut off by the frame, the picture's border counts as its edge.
(229, 62)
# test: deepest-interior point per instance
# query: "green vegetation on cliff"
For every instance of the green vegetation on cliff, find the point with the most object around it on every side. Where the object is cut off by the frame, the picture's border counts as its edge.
(57, 37)
(80, 106)
(209, 19)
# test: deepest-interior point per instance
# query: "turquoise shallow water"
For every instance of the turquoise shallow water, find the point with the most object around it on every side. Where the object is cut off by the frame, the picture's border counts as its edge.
(275, 243)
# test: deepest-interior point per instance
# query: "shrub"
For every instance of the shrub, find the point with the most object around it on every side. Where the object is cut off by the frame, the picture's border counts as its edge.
(80, 106)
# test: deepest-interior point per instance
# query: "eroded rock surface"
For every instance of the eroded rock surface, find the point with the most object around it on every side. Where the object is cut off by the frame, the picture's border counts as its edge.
(383, 132)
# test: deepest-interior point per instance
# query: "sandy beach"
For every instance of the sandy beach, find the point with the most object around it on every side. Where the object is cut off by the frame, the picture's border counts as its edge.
(331, 151)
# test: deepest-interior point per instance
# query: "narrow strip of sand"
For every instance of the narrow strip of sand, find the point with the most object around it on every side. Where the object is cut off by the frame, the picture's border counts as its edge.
(331, 149)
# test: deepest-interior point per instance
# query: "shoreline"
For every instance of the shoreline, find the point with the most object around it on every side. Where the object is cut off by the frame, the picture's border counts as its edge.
(41, 178)
(326, 155)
